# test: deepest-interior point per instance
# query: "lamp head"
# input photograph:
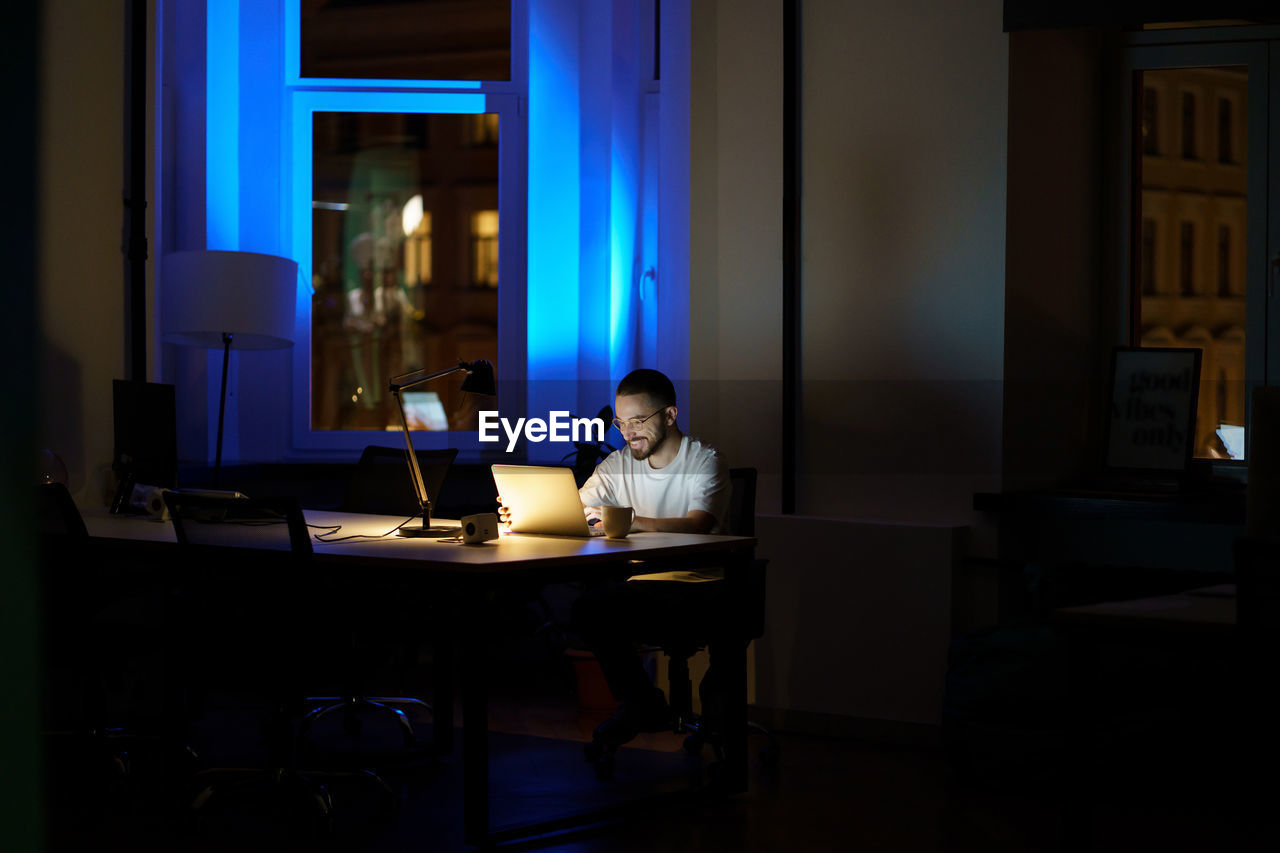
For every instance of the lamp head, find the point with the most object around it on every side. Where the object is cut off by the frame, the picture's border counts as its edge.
(479, 378)
(210, 294)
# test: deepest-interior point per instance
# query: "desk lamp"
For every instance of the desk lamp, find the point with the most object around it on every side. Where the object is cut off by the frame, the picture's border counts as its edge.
(220, 299)
(479, 381)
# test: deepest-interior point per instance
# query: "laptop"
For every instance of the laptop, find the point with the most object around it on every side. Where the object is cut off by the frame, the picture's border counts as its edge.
(542, 500)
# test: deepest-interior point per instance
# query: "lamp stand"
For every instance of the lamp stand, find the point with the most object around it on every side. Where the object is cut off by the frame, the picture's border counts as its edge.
(222, 406)
(479, 380)
(415, 473)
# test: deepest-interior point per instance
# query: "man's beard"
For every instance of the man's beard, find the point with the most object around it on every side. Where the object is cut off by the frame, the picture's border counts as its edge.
(651, 445)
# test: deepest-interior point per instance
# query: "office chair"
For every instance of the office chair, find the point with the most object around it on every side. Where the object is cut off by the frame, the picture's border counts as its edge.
(381, 485)
(701, 729)
(260, 550)
(74, 708)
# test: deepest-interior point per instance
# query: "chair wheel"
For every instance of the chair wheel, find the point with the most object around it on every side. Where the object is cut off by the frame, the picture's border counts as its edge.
(693, 745)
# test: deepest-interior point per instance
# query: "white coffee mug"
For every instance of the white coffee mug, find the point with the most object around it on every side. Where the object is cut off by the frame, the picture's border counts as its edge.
(617, 520)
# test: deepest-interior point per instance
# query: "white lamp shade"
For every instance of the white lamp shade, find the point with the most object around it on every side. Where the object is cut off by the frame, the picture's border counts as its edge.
(248, 295)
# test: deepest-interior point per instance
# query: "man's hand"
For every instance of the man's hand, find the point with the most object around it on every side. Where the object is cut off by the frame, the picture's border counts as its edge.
(504, 514)
(592, 514)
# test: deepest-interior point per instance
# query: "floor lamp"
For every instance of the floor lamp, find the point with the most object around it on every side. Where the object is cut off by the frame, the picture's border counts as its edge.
(217, 299)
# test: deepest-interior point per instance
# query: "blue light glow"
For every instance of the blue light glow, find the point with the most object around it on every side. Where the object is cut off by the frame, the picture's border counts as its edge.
(330, 82)
(623, 260)
(553, 289)
(222, 126)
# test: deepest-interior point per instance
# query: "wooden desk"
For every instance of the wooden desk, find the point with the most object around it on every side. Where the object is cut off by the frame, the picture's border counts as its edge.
(467, 573)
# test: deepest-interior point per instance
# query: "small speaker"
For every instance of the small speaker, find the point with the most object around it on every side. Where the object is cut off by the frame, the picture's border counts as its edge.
(479, 528)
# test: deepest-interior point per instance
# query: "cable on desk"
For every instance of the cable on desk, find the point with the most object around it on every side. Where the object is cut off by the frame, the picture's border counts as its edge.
(329, 537)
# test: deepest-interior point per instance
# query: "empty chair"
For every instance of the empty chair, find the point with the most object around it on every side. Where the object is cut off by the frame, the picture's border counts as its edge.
(282, 605)
(381, 485)
(77, 649)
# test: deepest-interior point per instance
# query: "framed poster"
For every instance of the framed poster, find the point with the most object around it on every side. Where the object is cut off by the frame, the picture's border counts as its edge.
(1153, 408)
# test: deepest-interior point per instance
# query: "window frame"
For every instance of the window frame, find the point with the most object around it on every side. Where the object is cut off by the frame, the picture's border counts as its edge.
(303, 97)
(1208, 48)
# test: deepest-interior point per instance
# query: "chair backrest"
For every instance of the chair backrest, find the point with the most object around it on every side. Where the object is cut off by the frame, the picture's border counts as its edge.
(750, 610)
(272, 523)
(382, 483)
(742, 501)
(57, 514)
(742, 522)
(67, 591)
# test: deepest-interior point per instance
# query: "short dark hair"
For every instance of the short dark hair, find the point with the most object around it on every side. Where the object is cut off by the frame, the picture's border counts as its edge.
(651, 383)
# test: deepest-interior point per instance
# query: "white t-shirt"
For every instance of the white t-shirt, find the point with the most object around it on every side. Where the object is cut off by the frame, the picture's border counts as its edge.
(697, 479)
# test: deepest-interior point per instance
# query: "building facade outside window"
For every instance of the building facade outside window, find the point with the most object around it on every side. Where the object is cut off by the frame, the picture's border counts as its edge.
(1190, 286)
(1189, 128)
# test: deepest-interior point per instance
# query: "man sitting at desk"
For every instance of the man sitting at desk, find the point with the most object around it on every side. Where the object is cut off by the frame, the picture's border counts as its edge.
(675, 484)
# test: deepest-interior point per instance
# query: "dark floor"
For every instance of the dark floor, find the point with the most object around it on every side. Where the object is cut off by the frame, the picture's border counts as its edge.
(827, 794)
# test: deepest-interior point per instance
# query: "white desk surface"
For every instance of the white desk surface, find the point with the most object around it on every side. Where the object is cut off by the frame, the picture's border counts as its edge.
(510, 551)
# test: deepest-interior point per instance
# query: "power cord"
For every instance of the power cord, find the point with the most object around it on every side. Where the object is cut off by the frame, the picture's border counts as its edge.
(334, 528)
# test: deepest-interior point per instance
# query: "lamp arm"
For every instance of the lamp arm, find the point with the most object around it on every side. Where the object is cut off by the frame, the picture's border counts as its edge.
(400, 383)
(415, 471)
(414, 378)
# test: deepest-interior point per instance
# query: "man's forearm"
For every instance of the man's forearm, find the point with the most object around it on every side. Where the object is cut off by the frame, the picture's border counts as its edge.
(692, 523)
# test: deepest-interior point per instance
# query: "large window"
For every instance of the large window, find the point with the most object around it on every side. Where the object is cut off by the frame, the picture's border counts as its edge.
(1206, 288)
(395, 149)
(401, 205)
(404, 261)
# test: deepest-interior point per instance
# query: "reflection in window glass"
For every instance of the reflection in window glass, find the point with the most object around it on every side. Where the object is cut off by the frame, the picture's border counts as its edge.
(484, 248)
(393, 258)
(417, 246)
(484, 129)
(1188, 293)
(406, 39)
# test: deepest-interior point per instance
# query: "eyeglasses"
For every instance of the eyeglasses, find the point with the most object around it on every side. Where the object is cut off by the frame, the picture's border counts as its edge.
(634, 423)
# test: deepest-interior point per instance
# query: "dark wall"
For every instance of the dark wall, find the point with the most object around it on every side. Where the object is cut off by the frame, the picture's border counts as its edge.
(19, 629)
(1042, 14)
(1059, 293)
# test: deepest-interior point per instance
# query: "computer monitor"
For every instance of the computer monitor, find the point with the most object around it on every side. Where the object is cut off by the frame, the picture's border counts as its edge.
(146, 433)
